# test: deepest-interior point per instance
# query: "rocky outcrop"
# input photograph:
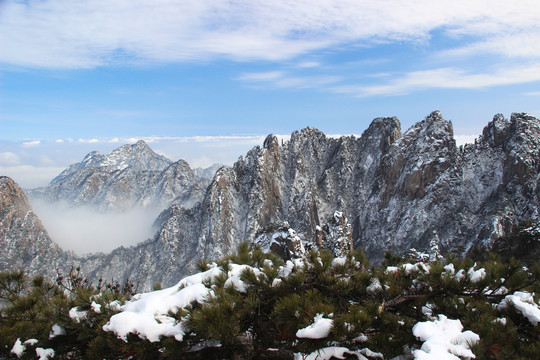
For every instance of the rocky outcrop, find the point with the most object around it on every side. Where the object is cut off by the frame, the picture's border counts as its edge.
(335, 235)
(399, 190)
(24, 242)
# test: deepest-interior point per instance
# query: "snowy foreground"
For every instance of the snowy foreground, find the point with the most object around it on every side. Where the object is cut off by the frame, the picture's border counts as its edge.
(153, 316)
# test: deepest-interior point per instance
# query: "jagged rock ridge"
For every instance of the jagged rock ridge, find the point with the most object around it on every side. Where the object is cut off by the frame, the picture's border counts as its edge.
(396, 191)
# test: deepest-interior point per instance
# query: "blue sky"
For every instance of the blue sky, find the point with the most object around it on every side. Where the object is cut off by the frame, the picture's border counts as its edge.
(206, 80)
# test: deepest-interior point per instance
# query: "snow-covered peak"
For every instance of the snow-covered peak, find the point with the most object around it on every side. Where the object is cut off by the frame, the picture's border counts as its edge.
(138, 155)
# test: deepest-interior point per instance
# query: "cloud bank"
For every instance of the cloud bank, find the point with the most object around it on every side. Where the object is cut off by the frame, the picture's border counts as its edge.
(91, 33)
(85, 230)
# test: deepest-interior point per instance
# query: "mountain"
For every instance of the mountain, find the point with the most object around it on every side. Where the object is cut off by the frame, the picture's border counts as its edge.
(383, 190)
(207, 173)
(24, 241)
(398, 191)
(130, 176)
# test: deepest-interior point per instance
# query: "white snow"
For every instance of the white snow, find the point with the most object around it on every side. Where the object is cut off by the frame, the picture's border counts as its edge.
(31, 342)
(318, 330)
(339, 261)
(460, 275)
(323, 354)
(523, 302)
(409, 268)
(285, 271)
(95, 307)
(44, 354)
(18, 348)
(77, 315)
(391, 270)
(56, 330)
(234, 276)
(450, 269)
(476, 275)
(374, 286)
(444, 339)
(148, 314)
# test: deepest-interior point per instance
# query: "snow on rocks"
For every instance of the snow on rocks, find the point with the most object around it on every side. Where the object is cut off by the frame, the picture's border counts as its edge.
(524, 303)
(444, 339)
(318, 330)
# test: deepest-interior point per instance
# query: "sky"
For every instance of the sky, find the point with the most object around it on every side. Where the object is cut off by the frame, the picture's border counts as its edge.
(207, 80)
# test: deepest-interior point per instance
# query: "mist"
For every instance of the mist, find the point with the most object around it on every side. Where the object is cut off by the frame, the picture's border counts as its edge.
(85, 230)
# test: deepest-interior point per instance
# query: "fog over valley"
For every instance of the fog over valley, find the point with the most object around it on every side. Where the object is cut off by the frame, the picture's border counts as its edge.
(84, 229)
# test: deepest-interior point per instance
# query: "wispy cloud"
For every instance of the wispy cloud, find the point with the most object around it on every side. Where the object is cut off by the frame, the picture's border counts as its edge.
(283, 79)
(31, 143)
(90, 33)
(444, 78)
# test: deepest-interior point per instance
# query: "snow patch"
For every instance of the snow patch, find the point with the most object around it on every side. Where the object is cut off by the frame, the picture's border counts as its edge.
(44, 354)
(77, 315)
(524, 303)
(56, 330)
(476, 275)
(318, 330)
(18, 348)
(444, 339)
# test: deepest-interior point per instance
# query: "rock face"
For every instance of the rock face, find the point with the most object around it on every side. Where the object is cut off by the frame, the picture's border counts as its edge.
(130, 176)
(24, 242)
(382, 190)
(398, 191)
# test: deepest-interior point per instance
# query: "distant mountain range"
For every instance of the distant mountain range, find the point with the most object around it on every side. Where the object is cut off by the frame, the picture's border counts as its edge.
(393, 190)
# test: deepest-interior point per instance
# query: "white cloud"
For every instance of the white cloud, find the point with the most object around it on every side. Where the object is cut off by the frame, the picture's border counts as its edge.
(29, 176)
(261, 76)
(465, 139)
(85, 230)
(90, 33)
(309, 64)
(281, 79)
(9, 158)
(31, 143)
(444, 78)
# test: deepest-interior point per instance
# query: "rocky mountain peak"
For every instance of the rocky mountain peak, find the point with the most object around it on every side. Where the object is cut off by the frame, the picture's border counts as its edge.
(24, 241)
(270, 142)
(138, 155)
(12, 197)
(385, 129)
(307, 134)
(495, 131)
